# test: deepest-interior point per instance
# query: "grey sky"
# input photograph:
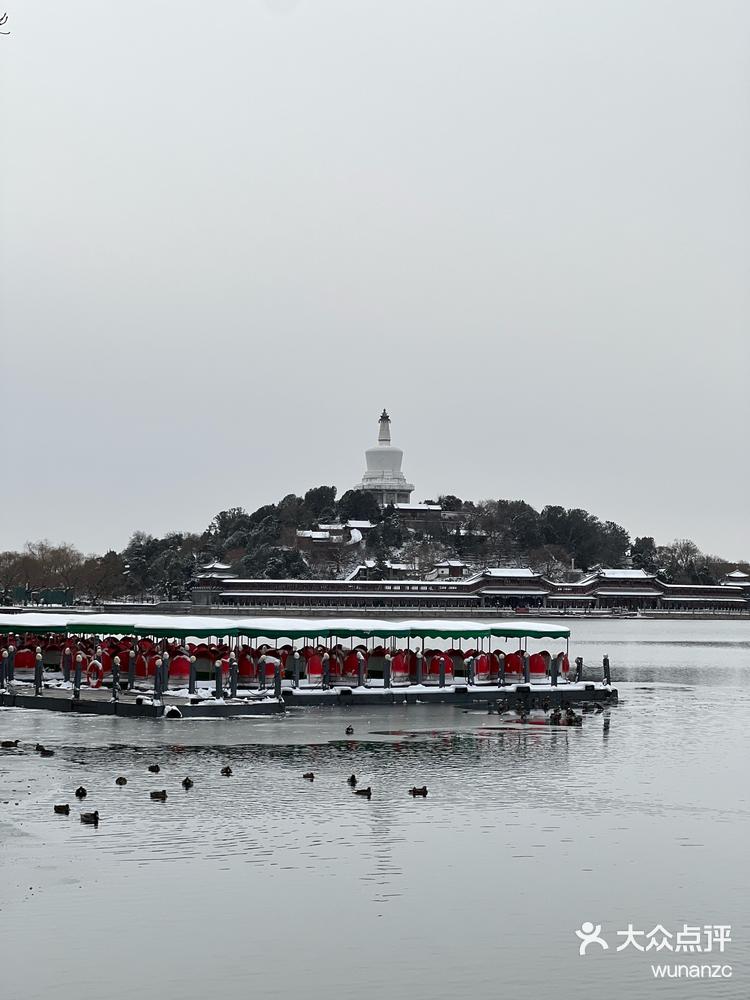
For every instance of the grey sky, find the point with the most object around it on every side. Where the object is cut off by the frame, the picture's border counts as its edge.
(233, 232)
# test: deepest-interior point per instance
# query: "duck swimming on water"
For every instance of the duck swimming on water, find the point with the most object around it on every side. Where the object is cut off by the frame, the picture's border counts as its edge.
(352, 780)
(121, 781)
(160, 796)
(8, 744)
(367, 792)
(62, 810)
(414, 792)
(92, 819)
(349, 730)
(187, 783)
(154, 768)
(81, 792)
(227, 771)
(309, 776)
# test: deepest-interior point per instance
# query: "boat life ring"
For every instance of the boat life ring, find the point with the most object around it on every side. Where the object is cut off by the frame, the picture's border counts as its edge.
(95, 674)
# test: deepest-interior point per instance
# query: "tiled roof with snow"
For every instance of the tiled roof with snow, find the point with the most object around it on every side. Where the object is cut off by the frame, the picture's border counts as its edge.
(625, 574)
(510, 571)
(416, 507)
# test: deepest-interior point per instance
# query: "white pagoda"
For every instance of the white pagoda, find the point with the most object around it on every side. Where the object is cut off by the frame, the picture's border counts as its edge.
(384, 478)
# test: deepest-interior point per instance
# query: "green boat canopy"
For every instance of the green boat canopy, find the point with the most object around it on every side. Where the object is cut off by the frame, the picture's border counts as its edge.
(36, 622)
(183, 626)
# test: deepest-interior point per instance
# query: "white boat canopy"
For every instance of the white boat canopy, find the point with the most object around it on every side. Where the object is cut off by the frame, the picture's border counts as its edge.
(181, 626)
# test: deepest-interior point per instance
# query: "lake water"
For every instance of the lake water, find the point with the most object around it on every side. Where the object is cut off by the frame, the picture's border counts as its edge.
(266, 885)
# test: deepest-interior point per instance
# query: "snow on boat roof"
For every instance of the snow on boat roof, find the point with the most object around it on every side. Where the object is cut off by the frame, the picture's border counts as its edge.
(172, 626)
(447, 629)
(28, 622)
(198, 625)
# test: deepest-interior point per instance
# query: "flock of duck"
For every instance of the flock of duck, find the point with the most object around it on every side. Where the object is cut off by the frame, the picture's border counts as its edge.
(160, 795)
(553, 716)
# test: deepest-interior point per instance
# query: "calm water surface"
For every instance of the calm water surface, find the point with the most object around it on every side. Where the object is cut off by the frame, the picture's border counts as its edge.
(266, 885)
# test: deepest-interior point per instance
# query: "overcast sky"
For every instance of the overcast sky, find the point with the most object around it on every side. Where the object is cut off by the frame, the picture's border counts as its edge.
(233, 232)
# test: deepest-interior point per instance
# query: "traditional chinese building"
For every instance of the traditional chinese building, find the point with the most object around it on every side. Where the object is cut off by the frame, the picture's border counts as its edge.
(511, 588)
(738, 578)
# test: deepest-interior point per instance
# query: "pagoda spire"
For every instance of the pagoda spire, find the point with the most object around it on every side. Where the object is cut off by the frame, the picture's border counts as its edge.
(384, 434)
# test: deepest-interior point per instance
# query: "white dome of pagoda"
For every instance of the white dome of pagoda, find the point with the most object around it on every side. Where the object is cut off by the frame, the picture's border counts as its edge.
(384, 478)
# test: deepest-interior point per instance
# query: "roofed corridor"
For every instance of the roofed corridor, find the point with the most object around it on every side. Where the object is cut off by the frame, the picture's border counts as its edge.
(630, 590)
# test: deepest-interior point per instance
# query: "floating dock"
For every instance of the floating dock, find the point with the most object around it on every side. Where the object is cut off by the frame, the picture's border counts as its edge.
(528, 696)
(150, 666)
(137, 705)
(142, 704)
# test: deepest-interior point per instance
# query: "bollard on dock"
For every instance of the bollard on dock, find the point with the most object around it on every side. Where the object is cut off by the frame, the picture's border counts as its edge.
(192, 676)
(360, 669)
(77, 676)
(579, 669)
(555, 669)
(295, 669)
(607, 674)
(262, 671)
(277, 679)
(420, 673)
(233, 676)
(38, 673)
(158, 679)
(326, 672)
(67, 658)
(501, 670)
(115, 678)
(526, 668)
(218, 689)
(441, 670)
(131, 670)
